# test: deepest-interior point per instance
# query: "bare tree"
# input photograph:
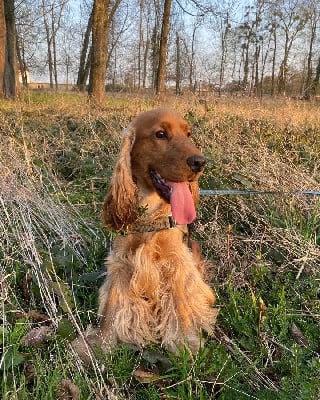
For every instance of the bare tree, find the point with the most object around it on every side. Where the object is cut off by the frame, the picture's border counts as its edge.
(224, 33)
(118, 26)
(8, 70)
(160, 81)
(258, 38)
(251, 39)
(315, 82)
(178, 65)
(146, 11)
(52, 13)
(191, 57)
(292, 19)
(103, 12)
(273, 33)
(3, 46)
(29, 36)
(154, 53)
(269, 32)
(22, 63)
(85, 56)
(100, 32)
(145, 55)
(246, 29)
(266, 49)
(313, 20)
(140, 44)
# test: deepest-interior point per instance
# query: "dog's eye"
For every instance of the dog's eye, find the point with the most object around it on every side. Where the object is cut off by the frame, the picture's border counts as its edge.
(162, 135)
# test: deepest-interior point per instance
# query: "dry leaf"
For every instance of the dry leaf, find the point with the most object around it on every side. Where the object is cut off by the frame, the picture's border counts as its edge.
(68, 390)
(34, 315)
(142, 375)
(30, 372)
(36, 336)
(298, 336)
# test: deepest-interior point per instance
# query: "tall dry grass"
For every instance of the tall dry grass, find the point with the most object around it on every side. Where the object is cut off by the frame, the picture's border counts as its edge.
(56, 157)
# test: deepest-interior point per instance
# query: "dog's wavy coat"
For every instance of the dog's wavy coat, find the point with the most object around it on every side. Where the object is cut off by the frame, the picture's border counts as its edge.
(154, 289)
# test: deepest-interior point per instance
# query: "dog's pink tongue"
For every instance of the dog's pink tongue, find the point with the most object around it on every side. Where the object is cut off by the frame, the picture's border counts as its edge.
(182, 205)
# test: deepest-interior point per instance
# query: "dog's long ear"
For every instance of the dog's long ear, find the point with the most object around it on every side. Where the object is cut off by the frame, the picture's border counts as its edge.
(120, 206)
(194, 189)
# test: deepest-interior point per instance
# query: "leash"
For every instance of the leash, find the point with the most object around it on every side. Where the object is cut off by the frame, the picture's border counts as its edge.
(252, 192)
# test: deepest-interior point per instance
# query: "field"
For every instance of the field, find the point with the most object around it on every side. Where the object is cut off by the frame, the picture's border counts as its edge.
(56, 158)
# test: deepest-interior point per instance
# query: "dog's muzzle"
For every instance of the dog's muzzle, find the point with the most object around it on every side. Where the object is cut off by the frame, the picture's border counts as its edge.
(196, 163)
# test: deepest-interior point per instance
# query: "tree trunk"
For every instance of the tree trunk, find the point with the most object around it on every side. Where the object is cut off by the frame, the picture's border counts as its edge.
(49, 42)
(54, 50)
(264, 58)
(55, 25)
(273, 84)
(21, 61)
(100, 30)
(85, 57)
(140, 47)
(224, 38)
(52, 14)
(8, 72)
(3, 46)
(145, 62)
(256, 71)
(103, 14)
(282, 77)
(86, 71)
(154, 55)
(292, 22)
(160, 81)
(283, 71)
(308, 83)
(315, 82)
(192, 78)
(178, 69)
(246, 67)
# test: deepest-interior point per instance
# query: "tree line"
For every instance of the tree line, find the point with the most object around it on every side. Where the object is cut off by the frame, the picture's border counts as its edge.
(255, 47)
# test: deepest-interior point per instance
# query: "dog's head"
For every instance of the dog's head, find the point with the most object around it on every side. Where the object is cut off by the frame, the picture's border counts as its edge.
(156, 156)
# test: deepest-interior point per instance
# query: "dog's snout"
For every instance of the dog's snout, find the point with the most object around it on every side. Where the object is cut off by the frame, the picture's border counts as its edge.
(196, 163)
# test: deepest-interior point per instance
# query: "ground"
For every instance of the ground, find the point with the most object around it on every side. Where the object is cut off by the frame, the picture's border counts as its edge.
(56, 157)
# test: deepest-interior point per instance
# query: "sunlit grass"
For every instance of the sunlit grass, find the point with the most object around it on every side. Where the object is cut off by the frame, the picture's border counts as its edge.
(56, 156)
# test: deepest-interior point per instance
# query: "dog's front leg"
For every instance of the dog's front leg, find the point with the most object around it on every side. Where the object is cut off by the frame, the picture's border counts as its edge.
(109, 303)
(126, 310)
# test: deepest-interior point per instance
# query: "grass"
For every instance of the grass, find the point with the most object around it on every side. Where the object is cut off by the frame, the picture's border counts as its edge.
(56, 157)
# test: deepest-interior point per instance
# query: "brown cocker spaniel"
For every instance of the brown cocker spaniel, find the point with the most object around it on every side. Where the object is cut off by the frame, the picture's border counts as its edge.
(154, 290)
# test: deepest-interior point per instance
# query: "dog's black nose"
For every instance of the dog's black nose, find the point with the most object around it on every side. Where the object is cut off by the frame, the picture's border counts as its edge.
(196, 163)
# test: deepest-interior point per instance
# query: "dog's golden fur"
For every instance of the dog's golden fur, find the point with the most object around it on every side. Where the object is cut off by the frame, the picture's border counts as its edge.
(154, 289)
